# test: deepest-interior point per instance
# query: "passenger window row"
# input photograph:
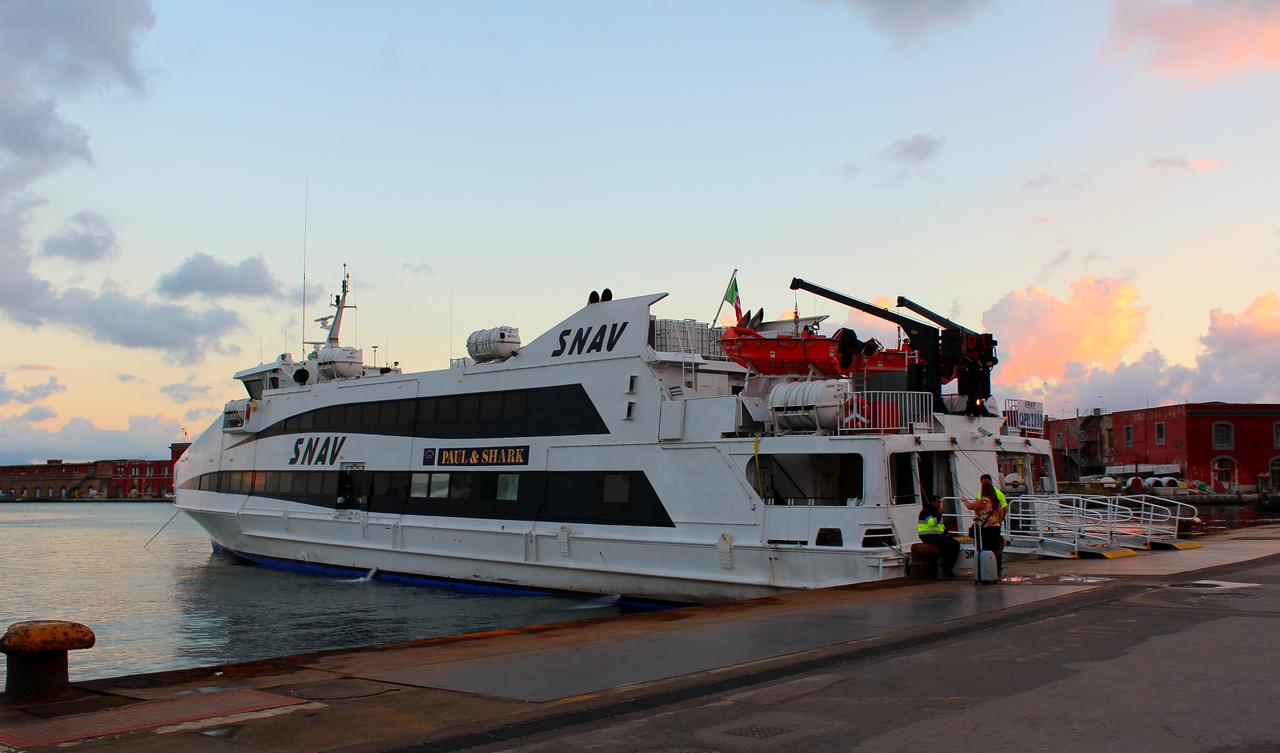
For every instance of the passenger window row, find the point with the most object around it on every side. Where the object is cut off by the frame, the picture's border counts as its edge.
(488, 406)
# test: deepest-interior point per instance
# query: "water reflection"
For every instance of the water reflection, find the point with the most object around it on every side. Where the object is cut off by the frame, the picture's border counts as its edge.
(176, 604)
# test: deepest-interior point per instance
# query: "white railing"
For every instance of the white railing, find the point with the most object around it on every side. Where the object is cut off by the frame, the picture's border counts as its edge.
(882, 412)
(1062, 524)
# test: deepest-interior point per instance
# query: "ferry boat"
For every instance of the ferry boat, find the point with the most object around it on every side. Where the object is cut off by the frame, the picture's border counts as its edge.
(616, 453)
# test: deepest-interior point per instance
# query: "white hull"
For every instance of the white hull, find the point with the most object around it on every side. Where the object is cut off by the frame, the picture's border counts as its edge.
(585, 463)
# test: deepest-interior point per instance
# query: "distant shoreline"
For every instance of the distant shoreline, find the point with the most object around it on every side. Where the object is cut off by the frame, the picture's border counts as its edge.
(29, 501)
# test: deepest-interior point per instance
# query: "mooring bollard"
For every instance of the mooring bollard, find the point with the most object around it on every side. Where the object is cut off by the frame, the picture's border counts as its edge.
(924, 561)
(36, 653)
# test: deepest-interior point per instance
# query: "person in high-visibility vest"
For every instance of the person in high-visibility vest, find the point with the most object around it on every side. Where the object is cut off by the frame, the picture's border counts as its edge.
(932, 531)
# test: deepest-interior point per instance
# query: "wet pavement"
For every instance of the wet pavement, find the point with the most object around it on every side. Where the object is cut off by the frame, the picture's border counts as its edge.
(1136, 654)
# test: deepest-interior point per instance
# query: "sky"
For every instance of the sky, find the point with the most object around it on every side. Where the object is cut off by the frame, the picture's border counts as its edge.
(1094, 182)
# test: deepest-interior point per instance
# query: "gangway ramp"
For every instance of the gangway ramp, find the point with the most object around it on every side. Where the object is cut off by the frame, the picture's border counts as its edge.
(1058, 525)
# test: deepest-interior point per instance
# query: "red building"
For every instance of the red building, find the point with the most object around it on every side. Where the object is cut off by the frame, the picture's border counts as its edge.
(98, 479)
(1232, 447)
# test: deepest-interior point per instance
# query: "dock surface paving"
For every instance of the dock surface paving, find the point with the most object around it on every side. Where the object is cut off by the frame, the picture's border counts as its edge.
(1131, 654)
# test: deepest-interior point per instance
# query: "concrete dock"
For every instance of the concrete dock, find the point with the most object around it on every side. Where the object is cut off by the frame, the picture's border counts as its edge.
(1167, 651)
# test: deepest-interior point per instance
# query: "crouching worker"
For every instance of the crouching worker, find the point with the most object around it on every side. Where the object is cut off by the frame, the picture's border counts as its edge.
(933, 532)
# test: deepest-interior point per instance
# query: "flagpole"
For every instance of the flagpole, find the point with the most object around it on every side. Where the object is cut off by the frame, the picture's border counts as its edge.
(720, 308)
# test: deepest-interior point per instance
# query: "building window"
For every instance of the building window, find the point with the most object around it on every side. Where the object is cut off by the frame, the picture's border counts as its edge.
(1128, 436)
(151, 470)
(1224, 471)
(1275, 475)
(133, 471)
(1275, 434)
(1224, 436)
(1057, 439)
(1159, 432)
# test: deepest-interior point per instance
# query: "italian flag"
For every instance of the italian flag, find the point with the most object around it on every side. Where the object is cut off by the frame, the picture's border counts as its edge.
(731, 296)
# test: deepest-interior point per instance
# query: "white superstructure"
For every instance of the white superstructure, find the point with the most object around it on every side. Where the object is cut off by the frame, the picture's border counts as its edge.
(585, 460)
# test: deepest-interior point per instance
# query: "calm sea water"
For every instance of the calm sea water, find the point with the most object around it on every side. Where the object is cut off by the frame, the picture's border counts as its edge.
(177, 604)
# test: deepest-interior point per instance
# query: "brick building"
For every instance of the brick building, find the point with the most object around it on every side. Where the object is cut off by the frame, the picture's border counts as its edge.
(98, 479)
(1232, 447)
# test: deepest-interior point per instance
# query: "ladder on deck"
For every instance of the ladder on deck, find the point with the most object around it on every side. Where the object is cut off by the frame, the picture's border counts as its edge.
(1058, 525)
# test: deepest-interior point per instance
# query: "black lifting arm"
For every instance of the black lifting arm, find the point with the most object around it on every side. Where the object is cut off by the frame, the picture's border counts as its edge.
(972, 355)
(938, 319)
(923, 338)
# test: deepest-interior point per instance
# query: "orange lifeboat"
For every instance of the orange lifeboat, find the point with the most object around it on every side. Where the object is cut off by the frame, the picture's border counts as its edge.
(779, 353)
(783, 352)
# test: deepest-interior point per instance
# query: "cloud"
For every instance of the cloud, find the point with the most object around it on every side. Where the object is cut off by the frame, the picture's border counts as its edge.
(196, 414)
(913, 155)
(30, 394)
(915, 151)
(848, 171)
(1198, 40)
(1039, 333)
(1038, 181)
(33, 367)
(129, 378)
(86, 237)
(79, 439)
(47, 49)
(1179, 163)
(185, 392)
(38, 413)
(1054, 265)
(1240, 362)
(202, 274)
(907, 20)
(413, 267)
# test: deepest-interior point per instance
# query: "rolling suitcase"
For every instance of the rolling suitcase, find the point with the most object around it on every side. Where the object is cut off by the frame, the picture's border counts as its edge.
(985, 569)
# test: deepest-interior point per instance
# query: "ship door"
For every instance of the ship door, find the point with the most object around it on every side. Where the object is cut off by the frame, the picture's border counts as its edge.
(937, 477)
(353, 488)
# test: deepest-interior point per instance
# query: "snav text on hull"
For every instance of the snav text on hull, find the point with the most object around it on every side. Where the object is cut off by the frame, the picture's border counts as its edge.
(619, 453)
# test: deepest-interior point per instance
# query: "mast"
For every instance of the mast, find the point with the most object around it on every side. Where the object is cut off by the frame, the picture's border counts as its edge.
(340, 303)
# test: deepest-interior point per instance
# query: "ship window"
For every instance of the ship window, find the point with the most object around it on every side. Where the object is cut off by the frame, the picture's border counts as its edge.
(902, 469)
(631, 410)
(388, 412)
(439, 485)
(234, 482)
(353, 413)
(271, 485)
(370, 413)
(208, 481)
(391, 484)
(421, 485)
(286, 482)
(447, 409)
(617, 488)
(514, 404)
(306, 421)
(508, 486)
(315, 484)
(460, 486)
(291, 424)
(319, 420)
(427, 410)
(329, 480)
(491, 406)
(406, 411)
(468, 407)
(254, 388)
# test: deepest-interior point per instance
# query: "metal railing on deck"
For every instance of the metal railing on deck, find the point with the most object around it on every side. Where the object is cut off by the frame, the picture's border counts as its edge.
(883, 412)
(1062, 524)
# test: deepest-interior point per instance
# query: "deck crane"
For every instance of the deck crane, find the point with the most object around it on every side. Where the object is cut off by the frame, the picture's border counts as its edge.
(946, 353)
(923, 339)
(971, 354)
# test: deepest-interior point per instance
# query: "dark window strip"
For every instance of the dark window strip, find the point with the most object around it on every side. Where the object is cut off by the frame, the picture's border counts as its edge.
(535, 412)
(599, 497)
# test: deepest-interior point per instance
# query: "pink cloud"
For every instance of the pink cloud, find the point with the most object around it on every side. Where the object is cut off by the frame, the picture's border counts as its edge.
(1240, 363)
(33, 367)
(1197, 39)
(1040, 333)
